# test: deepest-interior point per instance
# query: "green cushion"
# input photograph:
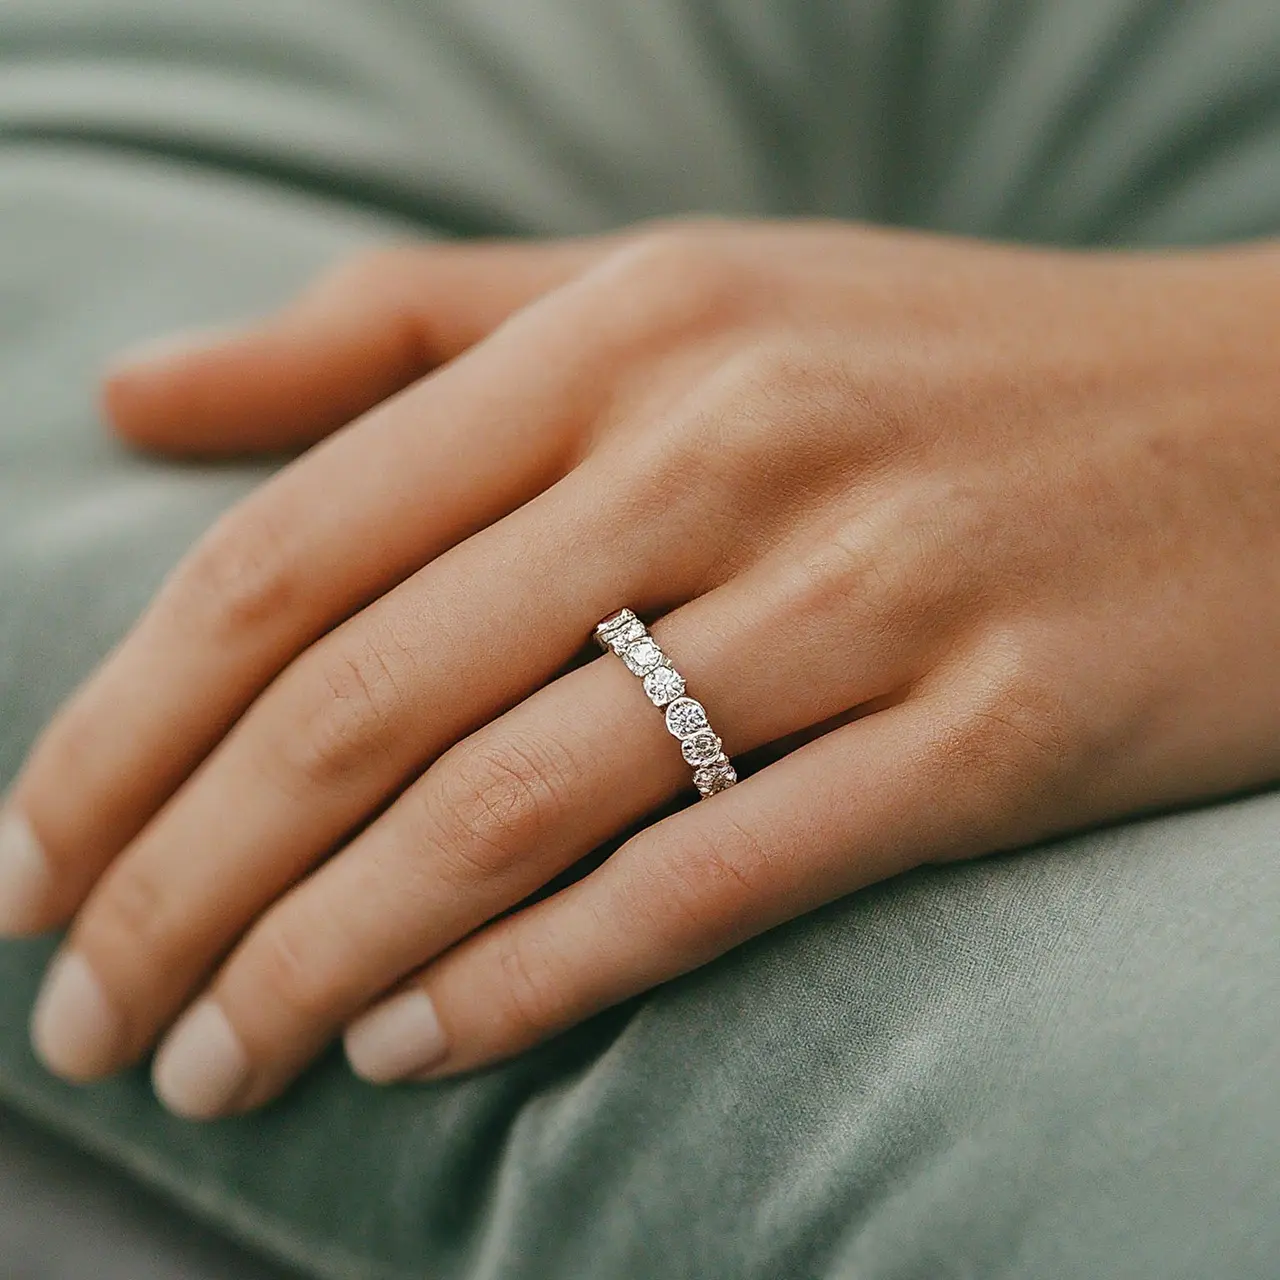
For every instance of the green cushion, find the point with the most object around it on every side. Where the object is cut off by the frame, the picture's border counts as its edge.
(1062, 1063)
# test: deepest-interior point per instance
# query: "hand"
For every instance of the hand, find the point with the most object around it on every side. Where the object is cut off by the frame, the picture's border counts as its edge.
(972, 545)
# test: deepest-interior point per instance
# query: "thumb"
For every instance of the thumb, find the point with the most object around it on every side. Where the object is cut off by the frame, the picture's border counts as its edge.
(357, 336)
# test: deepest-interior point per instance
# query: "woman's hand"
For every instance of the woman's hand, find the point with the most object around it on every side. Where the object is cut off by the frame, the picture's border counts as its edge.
(972, 545)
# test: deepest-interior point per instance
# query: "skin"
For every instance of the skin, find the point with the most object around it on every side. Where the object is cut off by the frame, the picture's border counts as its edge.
(962, 546)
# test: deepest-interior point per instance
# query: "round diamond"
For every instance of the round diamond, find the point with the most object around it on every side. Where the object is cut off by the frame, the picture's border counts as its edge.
(662, 684)
(642, 656)
(685, 717)
(702, 748)
(713, 778)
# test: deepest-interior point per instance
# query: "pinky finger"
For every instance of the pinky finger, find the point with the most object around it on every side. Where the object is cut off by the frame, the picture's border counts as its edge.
(360, 334)
(871, 799)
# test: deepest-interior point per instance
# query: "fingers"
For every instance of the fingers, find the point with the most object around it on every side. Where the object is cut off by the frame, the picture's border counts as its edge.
(862, 803)
(326, 746)
(490, 822)
(493, 819)
(335, 531)
(363, 333)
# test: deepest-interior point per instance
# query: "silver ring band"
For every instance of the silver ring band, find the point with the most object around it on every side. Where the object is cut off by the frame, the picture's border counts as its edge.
(624, 634)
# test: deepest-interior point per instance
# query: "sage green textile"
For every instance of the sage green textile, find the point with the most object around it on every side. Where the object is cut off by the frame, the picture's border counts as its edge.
(1064, 1063)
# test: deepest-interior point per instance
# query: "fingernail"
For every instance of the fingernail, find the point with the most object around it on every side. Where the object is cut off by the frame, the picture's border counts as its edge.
(74, 1029)
(202, 1065)
(25, 878)
(142, 356)
(401, 1036)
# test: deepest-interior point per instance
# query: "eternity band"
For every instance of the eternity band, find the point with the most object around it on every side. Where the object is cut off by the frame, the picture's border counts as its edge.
(686, 718)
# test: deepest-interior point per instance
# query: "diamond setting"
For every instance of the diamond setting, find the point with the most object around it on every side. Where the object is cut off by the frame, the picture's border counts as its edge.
(713, 778)
(642, 656)
(685, 717)
(626, 635)
(663, 684)
(624, 622)
(700, 749)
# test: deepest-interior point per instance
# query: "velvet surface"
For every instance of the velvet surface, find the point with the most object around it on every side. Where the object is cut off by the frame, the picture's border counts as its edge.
(1060, 1063)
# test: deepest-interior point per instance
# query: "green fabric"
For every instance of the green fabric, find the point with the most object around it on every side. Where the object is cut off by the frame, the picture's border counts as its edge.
(1058, 1064)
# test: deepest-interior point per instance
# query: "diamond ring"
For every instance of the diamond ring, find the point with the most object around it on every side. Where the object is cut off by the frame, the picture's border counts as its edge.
(624, 634)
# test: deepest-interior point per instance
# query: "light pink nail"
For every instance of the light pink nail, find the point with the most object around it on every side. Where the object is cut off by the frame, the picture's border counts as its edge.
(74, 1028)
(202, 1064)
(25, 878)
(400, 1037)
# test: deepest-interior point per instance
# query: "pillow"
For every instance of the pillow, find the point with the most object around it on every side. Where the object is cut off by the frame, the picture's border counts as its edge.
(947, 1074)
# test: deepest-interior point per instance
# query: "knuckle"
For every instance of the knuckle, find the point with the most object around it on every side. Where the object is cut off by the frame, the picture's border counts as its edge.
(495, 798)
(674, 245)
(762, 422)
(531, 990)
(676, 472)
(287, 971)
(133, 913)
(893, 576)
(379, 271)
(851, 579)
(680, 279)
(1016, 736)
(882, 410)
(767, 368)
(699, 461)
(235, 583)
(774, 387)
(382, 283)
(749, 397)
(705, 876)
(344, 721)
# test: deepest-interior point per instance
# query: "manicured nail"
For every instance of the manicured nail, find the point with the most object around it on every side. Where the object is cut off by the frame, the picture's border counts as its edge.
(202, 1065)
(143, 356)
(25, 878)
(395, 1039)
(74, 1029)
